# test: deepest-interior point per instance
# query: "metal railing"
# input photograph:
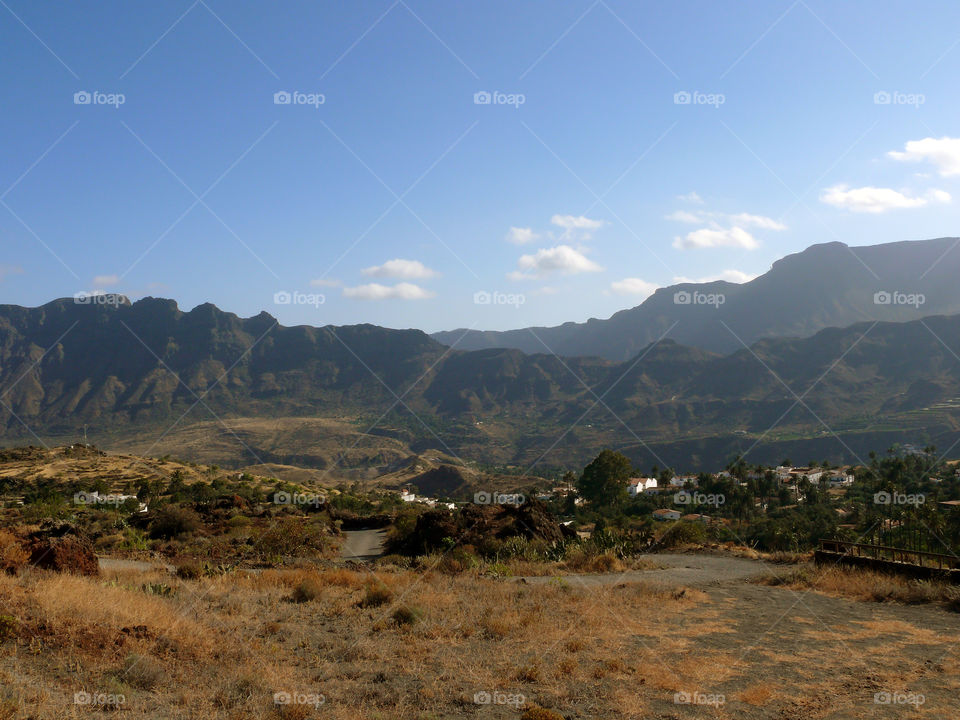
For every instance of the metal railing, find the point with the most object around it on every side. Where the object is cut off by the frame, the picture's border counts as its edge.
(920, 558)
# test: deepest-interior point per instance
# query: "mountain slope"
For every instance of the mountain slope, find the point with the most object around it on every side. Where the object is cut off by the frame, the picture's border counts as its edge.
(147, 375)
(828, 285)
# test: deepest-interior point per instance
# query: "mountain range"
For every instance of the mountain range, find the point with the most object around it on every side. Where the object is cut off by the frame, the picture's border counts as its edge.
(827, 285)
(147, 376)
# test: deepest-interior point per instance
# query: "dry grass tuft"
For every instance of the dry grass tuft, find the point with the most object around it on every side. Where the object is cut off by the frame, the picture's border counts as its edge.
(866, 585)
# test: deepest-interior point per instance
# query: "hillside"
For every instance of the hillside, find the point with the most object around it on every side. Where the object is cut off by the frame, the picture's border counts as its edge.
(827, 285)
(359, 401)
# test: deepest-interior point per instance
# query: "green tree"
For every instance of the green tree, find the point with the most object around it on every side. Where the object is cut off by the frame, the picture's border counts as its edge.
(604, 481)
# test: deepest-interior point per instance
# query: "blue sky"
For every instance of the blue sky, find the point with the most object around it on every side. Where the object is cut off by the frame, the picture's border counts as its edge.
(584, 184)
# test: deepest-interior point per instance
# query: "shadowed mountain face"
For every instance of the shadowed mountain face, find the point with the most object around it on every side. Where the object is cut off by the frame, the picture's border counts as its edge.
(829, 285)
(138, 368)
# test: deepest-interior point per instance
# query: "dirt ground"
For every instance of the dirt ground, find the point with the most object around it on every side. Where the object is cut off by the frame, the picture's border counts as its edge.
(698, 638)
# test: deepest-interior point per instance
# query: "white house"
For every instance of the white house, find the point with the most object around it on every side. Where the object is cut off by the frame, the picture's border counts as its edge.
(809, 473)
(681, 480)
(841, 480)
(407, 496)
(666, 514)
(636, 486)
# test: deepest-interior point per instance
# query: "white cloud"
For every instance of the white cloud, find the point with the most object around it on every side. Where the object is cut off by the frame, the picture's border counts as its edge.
(734, 276)
(561, 258)
(105, 280)
(878, 200)
(691, 197)
(521, 236)
(685, 217)
(401, 269)
(943, 152)
(716, 237)
(758, 221)
(546, 290)
(569, 222)
(6, 270)
(634, 286)
(376, 291)
(325, 282)
(738, 219)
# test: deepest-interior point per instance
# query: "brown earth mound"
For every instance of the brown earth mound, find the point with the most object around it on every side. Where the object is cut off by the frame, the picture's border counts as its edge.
(62, 550)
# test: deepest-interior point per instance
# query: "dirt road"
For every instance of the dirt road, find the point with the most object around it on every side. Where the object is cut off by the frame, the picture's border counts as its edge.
(689, 570)
(107, 564)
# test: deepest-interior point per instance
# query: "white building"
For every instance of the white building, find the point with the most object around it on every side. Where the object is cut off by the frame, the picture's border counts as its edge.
(841, 480)
(636, 486)
(666, 514)
(681, 480)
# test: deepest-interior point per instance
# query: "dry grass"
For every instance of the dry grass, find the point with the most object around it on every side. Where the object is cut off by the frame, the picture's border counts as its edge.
(866, 585)
(404, 644)
(224, 645)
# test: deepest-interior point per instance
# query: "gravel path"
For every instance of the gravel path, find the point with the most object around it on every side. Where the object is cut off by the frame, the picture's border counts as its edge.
(689, 570)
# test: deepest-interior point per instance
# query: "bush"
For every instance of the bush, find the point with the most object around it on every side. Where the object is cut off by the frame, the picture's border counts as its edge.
(141, 672)
(291, 536)
(173, 521)
(13, 555)
(683, 533)
(407, 615)
(189, 570)
(9, 627)
(306, 591)
(376, 596)
(536, 712)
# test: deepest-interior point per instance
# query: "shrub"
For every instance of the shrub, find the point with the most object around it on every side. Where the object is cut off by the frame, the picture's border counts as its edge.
(400, 561)
(141, 672)
(407, 615)
(9, 627)
(376, 596)
(291, 536)
(683, 533)
(13, 555)
(536, 712)
(306, 591)
(173, 521)
(189, 570)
